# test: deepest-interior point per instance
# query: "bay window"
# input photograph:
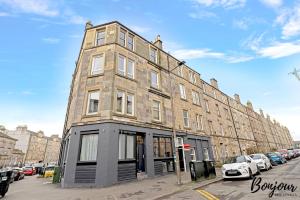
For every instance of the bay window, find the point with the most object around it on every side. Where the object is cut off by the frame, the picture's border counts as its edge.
(97, 64)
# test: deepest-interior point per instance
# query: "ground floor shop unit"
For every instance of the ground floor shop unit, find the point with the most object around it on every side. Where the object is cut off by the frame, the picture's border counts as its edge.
(104, 154)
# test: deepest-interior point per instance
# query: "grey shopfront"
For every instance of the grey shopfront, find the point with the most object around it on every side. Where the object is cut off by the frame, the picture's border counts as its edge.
(104, 154)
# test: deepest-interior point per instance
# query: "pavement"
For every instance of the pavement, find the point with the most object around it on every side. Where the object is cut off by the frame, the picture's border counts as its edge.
(33, 188)
(165, 188)
(288, 174)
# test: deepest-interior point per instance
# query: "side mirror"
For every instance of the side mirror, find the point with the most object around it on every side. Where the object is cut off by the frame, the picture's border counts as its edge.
(248, 161)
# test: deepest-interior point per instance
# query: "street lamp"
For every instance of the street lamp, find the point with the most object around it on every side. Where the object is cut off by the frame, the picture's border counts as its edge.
(178, 173)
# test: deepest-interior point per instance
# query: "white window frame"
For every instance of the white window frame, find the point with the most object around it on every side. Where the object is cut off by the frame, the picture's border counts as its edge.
(180, 71)
(132, 95)
(159, 110)
(129, 35)
(207, 106)
(157, 79)
(133, 68)
(182, 91)
(124, 65)
(123, 101)
(98, 31)
(125, 35)
(155, 54)
(186, 117)
(93, 72)
(196, 98)
(88, 102)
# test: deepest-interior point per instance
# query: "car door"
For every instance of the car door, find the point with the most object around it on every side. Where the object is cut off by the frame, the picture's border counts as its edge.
(252, 164)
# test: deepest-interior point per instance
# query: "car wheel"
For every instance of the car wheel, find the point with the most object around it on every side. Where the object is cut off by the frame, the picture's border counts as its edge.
(258, 171)
(271, 167)
(250, 174)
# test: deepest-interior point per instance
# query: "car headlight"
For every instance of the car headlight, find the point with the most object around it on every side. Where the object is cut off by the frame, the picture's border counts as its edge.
(242, 167)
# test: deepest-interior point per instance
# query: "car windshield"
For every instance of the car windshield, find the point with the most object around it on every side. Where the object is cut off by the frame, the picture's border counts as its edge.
(255, 156)
(50, 168)
(28, 168)
(238, 159)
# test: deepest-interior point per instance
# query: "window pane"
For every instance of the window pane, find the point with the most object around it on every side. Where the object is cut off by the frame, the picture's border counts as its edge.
(162, 149)
(130, 68)
(122, 38)
(205, 153)
(93, 102)
(153, 55)
(121, 66)
(97, 65)
(182, 91)
(120, 99)
(154, 79)
(156, 110)
(130, 42)
(130, 102)
(100, 37)
(122, 146)
(130, 147)
(186, 118)
(155, 147)
(89, 145)
(168, 147)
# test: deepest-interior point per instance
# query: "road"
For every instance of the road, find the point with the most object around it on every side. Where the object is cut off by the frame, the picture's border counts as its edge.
(288, 173)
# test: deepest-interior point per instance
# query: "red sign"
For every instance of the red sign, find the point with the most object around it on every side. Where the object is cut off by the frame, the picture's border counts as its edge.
(186, 146)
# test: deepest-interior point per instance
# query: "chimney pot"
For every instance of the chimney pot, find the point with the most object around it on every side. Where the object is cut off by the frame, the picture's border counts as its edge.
(214, 83)
(158, 42)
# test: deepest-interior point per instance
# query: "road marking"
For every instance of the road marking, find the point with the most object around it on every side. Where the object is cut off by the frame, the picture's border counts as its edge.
(207, 195)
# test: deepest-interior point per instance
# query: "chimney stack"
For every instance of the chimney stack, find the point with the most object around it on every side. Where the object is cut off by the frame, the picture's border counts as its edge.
(214, 83)
(261, 112)
(249, 105)
(237, 98)
(88, 24)
(158, 42)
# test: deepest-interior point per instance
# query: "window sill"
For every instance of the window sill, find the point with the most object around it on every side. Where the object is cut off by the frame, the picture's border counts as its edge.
(123, 76)
(187, 127)
(197, 104)
(156, 121)
(155, 88)
(91, 115)
(183, 99)
(95, 75)
(124, 115)
(158, 92)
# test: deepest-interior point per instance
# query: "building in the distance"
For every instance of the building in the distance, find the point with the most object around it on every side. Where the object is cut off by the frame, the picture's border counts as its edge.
(297, 144)
(128, 95)
(7, 146)
(35, 146)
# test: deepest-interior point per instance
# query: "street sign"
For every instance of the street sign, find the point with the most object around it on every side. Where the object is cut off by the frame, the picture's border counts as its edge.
(186, 147)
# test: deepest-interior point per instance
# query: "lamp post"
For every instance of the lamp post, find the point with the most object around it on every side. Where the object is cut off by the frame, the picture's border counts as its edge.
(178, 172)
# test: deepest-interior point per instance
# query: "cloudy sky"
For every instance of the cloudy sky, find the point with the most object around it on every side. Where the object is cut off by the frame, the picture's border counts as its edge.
(248, 46)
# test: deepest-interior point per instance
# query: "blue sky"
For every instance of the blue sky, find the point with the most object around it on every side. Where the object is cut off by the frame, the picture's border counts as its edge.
(248, 46)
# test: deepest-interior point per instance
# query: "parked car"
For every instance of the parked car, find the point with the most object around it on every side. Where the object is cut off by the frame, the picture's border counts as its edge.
(275, 159)
(285, 154)
(292, 154)
(297, 152)
(49, 171)
(5, 176)
(283, 159)
(19, 173)
(29, 170)
(262, 161)
(240, 167)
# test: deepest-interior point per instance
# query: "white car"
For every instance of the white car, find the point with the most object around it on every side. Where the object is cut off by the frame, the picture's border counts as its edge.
(239, 167)
(262, 161)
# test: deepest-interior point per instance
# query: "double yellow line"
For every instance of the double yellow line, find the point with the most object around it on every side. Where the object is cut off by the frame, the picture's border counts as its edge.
(207, 195)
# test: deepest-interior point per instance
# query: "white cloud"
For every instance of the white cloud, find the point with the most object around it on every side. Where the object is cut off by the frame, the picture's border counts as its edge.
(51, 40)
(201, 14)
(280, 49)
(188, 54)
(272, 3)
(27, 93)
(241, 24)
(4, 14)
(227, 4)
(39, 7)
(139, 29)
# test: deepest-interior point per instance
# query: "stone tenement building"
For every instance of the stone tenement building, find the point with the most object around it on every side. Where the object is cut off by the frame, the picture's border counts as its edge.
(36, 146)
(128, 95)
